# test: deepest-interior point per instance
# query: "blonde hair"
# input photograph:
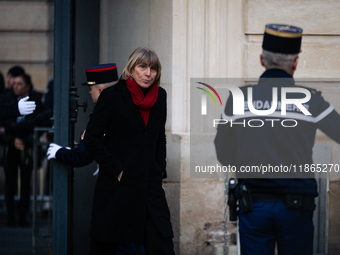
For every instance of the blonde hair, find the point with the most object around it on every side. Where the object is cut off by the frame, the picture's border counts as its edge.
(143, 56)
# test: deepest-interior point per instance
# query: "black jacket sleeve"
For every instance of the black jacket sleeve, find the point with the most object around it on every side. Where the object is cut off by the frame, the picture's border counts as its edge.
(330, 125)
(77, 157)
(8, 111)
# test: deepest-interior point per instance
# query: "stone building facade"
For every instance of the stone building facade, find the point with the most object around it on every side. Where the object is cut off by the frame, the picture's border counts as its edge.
(194, 39)
(218, 38)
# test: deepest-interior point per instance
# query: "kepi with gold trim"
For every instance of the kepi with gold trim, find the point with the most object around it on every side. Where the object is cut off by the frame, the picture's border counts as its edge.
(280, 38)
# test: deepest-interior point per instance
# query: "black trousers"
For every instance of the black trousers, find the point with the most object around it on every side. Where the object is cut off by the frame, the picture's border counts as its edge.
(154, 243)
(14, 159)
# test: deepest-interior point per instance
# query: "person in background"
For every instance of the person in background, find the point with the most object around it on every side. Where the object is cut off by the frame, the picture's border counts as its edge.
(98, 80)
(20, 152)
(47, 114)
(7, 96)
(2, 83)
(16, 109)
(99, 77)
(129, 204)
(9, 107)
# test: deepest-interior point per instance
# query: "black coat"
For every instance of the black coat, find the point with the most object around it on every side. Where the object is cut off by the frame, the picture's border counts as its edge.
(119, 208)
(9, 110)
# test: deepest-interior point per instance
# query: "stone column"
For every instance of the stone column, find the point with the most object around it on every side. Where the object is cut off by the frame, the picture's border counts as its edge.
(201, 43)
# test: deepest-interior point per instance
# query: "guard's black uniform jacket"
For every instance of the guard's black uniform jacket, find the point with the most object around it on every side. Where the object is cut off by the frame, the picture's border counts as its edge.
(9, 110)
(273, 144)
(77, 157)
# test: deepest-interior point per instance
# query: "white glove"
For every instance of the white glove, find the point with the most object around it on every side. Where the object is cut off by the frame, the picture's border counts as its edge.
(96, 172)
(52, 150)
(26, 107)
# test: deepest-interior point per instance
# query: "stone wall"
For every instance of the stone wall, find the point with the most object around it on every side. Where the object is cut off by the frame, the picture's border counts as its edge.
(26, 38)
(200, 49)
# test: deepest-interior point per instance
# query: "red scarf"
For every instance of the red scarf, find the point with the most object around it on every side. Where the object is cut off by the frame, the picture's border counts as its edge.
(143, 103)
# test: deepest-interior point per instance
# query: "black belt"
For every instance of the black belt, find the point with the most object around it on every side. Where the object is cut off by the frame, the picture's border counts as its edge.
(267, 197)
(292, 201)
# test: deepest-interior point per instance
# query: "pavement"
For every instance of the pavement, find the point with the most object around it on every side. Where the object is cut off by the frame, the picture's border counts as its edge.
(18, 240)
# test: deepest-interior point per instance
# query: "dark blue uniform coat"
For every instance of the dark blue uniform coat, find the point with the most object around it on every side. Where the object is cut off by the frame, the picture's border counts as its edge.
(77, 157)
(278, 145)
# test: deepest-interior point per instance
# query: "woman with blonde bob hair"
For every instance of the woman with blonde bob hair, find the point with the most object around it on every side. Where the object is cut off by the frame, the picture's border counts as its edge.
(143, 56)
(129, 202)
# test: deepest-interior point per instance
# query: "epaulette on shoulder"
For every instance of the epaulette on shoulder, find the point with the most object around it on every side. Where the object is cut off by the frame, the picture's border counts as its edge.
(314, 91)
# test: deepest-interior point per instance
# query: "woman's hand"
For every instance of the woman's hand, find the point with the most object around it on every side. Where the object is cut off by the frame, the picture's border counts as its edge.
(120, 176)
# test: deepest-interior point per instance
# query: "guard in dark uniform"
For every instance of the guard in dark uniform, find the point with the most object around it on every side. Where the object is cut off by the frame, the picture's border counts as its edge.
(277, 206)
(99, 77)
